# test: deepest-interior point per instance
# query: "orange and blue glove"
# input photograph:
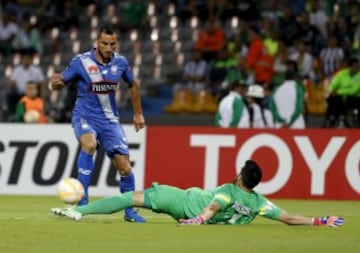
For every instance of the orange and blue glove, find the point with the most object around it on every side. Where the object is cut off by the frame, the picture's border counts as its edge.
(193, 221)
(330, 221)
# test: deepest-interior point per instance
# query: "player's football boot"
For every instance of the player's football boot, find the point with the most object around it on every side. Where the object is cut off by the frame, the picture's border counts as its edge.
(69, 212)
(131, 215)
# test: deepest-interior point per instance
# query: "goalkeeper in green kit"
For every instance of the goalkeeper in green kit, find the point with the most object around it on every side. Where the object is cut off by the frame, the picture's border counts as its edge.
(234, 203)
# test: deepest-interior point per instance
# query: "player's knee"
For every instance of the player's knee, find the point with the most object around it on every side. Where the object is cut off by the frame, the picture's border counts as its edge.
(89, 147)
(125, 171)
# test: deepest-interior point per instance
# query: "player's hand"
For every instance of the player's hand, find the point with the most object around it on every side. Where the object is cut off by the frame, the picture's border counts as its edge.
(139, 121)
(330, 221)
(56, 82)
(193, 221)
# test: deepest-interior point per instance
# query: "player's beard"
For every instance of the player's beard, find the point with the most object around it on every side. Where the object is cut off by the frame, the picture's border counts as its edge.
(104, 58)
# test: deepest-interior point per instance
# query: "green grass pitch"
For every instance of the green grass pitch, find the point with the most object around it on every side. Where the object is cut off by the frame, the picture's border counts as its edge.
(26, 225)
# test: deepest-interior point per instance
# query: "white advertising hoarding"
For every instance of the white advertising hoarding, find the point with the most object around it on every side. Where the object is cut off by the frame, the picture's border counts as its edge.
(33, 159)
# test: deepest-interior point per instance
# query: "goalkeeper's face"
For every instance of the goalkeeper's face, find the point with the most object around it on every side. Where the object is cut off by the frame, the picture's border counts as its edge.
(106, 45)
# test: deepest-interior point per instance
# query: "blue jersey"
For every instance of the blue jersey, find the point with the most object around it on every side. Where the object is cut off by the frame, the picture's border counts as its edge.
(96, 85)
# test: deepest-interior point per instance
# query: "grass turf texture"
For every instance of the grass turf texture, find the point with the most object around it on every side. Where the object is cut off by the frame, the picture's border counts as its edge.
(26, 225)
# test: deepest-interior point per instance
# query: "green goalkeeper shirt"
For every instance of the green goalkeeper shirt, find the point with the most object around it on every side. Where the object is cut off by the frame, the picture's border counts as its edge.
(237, 206)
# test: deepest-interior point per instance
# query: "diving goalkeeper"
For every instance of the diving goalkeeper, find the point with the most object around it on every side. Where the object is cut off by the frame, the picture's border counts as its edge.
(234, 203)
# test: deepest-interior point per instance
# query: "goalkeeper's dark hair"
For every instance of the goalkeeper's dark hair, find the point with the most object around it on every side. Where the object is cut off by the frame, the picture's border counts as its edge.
(108, 28)
(251, 174)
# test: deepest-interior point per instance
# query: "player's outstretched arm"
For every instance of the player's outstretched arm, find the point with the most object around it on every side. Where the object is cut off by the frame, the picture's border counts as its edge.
(206, 214)
(56, 82)
(296, 219)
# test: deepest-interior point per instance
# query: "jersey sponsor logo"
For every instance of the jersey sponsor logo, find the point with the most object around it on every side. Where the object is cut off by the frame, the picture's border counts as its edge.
(93, 69)
(103, 87)
(114, 69)
(242, 209)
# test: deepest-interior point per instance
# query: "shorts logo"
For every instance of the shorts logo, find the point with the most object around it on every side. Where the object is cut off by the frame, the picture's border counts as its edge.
(84, 124)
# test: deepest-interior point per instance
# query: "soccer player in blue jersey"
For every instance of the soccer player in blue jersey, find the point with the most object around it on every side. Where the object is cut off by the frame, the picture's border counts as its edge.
(95, 118)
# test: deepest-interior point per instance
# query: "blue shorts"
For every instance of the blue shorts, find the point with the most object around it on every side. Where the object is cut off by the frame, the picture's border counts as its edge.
(110, 135)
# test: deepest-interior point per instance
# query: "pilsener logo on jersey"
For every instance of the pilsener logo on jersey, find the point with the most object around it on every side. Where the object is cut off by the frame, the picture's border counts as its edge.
(103, 87)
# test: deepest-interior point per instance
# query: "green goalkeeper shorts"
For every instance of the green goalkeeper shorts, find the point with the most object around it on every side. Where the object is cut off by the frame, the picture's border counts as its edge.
(166, 199)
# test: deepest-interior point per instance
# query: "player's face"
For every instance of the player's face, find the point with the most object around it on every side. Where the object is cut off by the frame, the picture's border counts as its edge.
(107, 44)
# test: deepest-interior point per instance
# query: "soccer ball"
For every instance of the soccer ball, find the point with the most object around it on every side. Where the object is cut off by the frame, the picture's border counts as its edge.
(70, 190)
(32, 116)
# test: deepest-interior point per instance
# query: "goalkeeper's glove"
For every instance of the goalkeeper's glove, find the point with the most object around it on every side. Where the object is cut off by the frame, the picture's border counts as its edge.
(193, 221)
(330, 221)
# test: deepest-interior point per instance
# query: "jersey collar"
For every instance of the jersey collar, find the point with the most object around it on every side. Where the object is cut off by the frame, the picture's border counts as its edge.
(93, 57)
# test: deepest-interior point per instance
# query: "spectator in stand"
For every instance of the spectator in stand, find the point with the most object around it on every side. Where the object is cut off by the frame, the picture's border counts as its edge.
(222, 10)
(309, 34)
(247, 10)
(280, 64)
(289, 26)
(132, 15)
(331, 57)
(193, 82)
(354, 16)
(62, 14)
(218, 70)
(211, 39)
(287, 100)
(232, 110)
(297, 6)
(319, 17)
(23, 73)
(356, 42)
(30, 108)
(195, 73)
(270, 36)
(355, 27)
(304, 60)
(8, 30)
(260, 117)
(186, 9)
(28, 36)
(239, 73)
(258, 58)
(271, 11)
(344, 91)
(344, 34)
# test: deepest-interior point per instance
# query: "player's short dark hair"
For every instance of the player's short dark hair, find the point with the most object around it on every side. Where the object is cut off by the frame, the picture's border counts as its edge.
(251, 174)
(108, 28)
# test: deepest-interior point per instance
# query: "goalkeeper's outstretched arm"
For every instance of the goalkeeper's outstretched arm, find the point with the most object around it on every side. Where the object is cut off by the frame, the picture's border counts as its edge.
(297, 219)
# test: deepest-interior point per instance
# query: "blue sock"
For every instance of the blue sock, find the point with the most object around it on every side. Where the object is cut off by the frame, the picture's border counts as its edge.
(127, 183)
(85, 165)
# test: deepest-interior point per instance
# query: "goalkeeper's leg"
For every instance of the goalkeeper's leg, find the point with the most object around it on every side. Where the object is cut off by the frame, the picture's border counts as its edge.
(113, 204)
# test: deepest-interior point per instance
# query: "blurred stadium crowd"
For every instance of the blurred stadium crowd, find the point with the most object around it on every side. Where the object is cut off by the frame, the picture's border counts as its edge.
(186, 53)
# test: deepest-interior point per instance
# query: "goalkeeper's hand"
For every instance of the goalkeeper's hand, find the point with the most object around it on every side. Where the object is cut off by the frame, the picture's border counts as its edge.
(193, 221)
(330, 221)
